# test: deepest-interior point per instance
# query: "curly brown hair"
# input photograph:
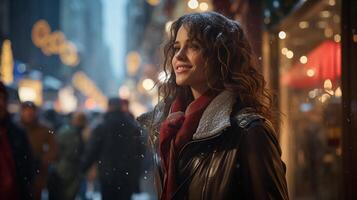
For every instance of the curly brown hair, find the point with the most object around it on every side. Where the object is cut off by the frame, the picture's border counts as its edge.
(230, 62)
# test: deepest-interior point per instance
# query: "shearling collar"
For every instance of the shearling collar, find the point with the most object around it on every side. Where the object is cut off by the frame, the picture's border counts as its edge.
(216, 117)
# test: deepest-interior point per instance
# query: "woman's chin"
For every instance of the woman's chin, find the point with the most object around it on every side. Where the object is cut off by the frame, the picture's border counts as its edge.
(181, 82)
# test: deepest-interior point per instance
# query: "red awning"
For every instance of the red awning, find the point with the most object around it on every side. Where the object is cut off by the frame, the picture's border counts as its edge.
(324, 62)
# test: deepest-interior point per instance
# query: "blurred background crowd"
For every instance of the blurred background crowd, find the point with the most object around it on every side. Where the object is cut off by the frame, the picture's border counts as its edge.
(80, 155)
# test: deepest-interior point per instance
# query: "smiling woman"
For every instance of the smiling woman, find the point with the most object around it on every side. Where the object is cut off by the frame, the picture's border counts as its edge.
(188, 63)
(211, 134)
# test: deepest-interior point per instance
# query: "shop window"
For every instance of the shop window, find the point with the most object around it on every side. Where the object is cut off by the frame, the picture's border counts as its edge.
(310, 89)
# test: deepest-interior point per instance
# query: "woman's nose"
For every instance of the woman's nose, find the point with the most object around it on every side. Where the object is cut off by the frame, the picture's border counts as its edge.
(181, 54)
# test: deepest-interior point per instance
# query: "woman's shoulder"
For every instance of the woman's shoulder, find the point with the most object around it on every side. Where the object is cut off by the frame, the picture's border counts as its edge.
(256, 128)
(146, 118)
(247, 117)
(152, 117)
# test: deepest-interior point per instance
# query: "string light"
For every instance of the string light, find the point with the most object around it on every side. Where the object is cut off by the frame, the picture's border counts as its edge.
(282, 35)
(310, 72)
(148, 84)
(338, 92)
(284, 50)
(193, 4)
(303, 59)
(153, 2)
(304, 24)
(54, 43)
(328, 84)
(204, 6)
(337, 38)
(289, 54)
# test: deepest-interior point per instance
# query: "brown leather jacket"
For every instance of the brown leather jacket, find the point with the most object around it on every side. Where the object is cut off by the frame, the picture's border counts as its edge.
(233, 155)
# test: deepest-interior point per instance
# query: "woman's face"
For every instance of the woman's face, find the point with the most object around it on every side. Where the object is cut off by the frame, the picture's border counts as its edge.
(188, 62)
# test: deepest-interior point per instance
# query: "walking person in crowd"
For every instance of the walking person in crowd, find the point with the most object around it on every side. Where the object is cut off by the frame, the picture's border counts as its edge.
(115, 144)
(211, 133)
(16, 171)
(66, 176)
(43, 145)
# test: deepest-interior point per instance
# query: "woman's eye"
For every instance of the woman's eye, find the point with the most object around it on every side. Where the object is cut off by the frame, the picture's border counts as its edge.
(195, 46)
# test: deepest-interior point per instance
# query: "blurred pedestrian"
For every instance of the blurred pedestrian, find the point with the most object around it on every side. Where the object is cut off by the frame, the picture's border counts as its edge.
(212, 133)
(16, 169)
(116, 145)
(66, 175)
(125, 107)
(52, 119)
(42, 143)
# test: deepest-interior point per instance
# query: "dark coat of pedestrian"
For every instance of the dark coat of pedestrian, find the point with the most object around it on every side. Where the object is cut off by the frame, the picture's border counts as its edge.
(116, 145)
(16, 163)
(66, 176)
(43, 145)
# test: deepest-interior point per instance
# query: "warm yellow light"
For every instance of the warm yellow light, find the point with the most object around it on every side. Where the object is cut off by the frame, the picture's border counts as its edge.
(338, 92)
(90, 103)
(53, 43)
(148, 84)
(88, 88)
(153, 2)
(303, 59)
(193, 4)
(69, 55)
(6, 63)
(289, 54)
(40, 30)
(313, 93)
(330, 92)
(310, 73)
(328, 84)
(325, 14)
(324, 98)
(27, 94)
(168, 26)
(30, 90)
(124, 92)
(282, 35)
(204, 6)
(304, 24)
(67, 100)
(133, 61)
(58, 40)
(284, 50)
(337, 38)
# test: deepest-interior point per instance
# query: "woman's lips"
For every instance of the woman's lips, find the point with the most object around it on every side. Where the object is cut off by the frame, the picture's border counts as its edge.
(182, 68)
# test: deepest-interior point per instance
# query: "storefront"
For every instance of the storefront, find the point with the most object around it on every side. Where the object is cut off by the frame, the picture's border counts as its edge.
(307, 61)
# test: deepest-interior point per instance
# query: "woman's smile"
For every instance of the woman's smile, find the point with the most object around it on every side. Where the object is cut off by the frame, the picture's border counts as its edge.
(182, 68)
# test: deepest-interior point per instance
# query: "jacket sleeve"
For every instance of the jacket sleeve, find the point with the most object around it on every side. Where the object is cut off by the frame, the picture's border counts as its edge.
(262, 172)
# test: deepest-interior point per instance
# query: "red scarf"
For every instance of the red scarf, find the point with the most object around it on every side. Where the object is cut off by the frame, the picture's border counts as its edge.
(175, 132)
